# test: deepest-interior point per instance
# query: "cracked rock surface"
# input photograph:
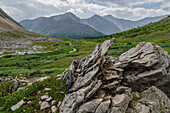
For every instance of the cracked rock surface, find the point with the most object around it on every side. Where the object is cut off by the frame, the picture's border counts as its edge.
(102, 84)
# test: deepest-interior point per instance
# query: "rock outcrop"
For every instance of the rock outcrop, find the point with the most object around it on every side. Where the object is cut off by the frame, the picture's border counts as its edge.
(103, 84)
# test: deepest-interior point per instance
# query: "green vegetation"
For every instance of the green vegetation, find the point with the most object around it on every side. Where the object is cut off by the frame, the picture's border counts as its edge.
(18, 34)
(60, 58)
(31, 94)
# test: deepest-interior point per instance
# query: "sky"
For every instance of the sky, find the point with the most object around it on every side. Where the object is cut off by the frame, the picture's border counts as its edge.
(125, 9)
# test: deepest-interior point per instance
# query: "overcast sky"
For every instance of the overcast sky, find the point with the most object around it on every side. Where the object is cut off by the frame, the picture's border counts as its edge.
(127, 9)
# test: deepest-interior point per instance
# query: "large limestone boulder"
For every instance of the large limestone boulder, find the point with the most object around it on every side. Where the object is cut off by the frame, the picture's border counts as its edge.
(102, 84)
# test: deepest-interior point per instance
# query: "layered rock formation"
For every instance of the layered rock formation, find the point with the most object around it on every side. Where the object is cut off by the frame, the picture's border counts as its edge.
(128, 84)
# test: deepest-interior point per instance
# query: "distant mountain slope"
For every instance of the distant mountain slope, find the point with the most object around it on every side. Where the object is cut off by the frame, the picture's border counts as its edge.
(9, 24)
(101, 24)
(62, 26)
(128, 24)
(14, 38)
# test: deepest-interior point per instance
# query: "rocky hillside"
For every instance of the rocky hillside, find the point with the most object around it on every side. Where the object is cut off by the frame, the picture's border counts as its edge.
(61, 26)
(9, 24)
(135, 82)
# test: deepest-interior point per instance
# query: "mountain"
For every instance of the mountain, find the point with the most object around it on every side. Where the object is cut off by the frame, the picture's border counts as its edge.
(9, 24)
(101, 24)
(128, 24)
(63, 26)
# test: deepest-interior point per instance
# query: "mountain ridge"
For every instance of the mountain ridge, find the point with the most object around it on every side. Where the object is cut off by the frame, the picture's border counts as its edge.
(62, 26)
(129, 24)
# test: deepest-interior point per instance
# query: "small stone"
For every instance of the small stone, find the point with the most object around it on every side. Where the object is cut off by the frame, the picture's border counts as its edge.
(44, 105)
(53, 102)
(53, 109)
(58, 78)
(44, 97)
(18, 105)
(49, 99)
(47, 89)
(62, 92)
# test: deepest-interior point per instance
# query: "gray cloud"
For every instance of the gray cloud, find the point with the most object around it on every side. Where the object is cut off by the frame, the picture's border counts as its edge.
(128, 3)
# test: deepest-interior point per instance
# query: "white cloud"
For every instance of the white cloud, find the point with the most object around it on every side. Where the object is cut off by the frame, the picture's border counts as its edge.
(20, 9)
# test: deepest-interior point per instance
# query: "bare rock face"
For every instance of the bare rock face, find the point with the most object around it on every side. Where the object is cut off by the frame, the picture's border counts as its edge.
(146, 65)
(102, 84)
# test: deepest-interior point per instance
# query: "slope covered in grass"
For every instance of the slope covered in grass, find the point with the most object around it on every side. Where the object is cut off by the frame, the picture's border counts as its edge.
(158, 32)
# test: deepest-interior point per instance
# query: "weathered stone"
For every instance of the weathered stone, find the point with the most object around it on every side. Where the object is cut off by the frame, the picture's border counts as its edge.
(53, 102)
(44, 105)
(48, 99)
(18, 105)
(102, 84)
(44, 97)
